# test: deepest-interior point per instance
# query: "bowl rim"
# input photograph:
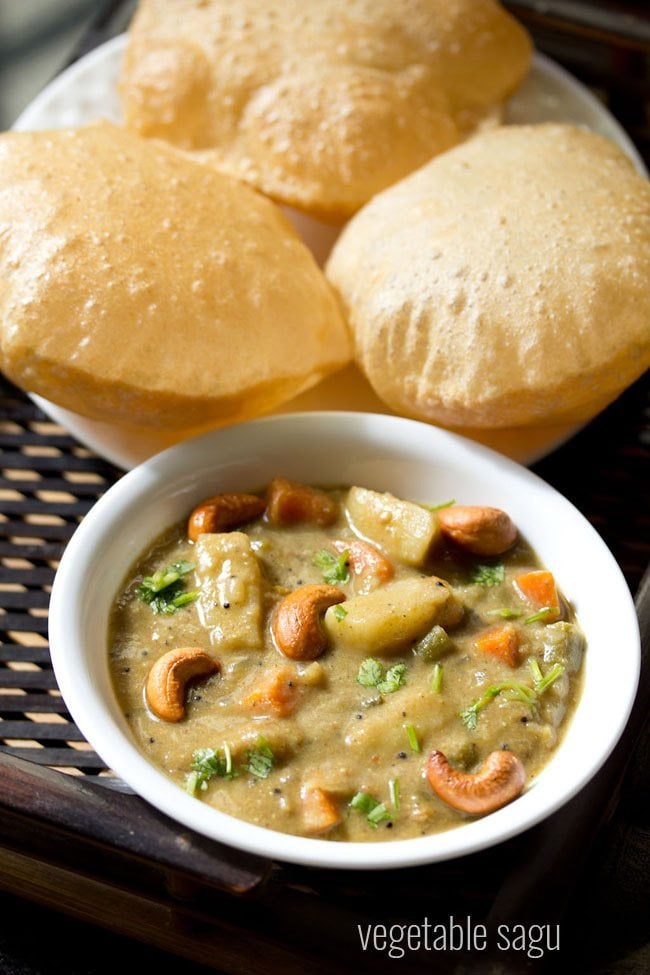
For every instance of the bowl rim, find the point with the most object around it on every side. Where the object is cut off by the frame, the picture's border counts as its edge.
(122, 755)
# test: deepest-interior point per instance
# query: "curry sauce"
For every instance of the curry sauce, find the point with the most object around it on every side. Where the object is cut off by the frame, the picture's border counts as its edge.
(424, 646)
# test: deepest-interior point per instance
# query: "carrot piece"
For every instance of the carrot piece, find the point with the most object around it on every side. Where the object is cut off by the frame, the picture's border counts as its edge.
(289, 503)
(539, 589)
(320, 812)
(276, 693)
(501, 642)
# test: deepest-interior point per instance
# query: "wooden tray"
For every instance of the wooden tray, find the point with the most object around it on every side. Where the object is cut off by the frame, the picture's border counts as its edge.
(82, 843)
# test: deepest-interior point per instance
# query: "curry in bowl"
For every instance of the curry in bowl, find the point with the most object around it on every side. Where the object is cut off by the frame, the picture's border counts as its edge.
(344, 663)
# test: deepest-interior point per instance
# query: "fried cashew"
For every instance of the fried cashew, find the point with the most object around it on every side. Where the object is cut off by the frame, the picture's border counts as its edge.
(482, 531)
(223, 512)
(289, 503)
(296, 626)
(500, 779)
(368, 564)
(167, 680)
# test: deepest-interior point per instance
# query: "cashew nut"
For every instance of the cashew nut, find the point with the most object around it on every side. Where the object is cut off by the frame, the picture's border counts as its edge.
(289, 502)
(370, 565)
(500, 779)
(297, 626)
(223, 512)
(165, 688)
(482, 531)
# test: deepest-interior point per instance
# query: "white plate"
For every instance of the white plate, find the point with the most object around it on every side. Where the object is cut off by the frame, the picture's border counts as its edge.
(88, 90)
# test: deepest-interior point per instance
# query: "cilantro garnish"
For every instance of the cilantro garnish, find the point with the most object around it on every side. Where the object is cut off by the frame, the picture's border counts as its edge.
(488, 575)
(505, 613)
(393, 789)
(164, 591)
(374, 810)
(514, 691)
(542, 614)
(439, 507)
(395, 678)
(260, 760)
(372, 674)
(412, 736)
(556, 671)
(339, 612)
(206, 764)
(210, 762)
(469, 715)
(535, 670)
(333, 569)
(436, 679)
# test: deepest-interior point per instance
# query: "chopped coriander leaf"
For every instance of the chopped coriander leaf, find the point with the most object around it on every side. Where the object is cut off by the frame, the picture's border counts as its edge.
(395, 678)
(505, 613)
(542, 614)
(556, 671)
(374, 811)
(364, 802)
(378, 814)
(488, 575)
(171, 599)
(182, 567)
(469, 715)
(166, 577)
(163, 591)
(339, 612)
(439, 507)
(514, 691)
(370, 673)
(160, 604)
(412, 736)
(186, 598)
(535, 670)
(333, 569)
(260, 760)
(436, 679)
(227, 754)
(393, 789)
(192, 783)
(206, 764)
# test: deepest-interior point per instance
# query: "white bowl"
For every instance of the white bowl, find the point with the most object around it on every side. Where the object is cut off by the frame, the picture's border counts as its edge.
(384, 452)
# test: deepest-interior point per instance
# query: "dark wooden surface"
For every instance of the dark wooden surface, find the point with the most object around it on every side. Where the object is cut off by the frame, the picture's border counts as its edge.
(84, 847)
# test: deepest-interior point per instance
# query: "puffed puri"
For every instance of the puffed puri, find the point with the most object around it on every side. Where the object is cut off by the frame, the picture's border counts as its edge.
(319, 104)
(506, 283)
(141, 287)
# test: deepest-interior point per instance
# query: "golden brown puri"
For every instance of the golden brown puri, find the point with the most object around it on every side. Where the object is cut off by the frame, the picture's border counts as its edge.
(505, 283)
(138, 286)
(319, 103)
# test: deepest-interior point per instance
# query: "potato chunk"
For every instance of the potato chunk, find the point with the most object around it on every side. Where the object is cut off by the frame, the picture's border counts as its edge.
(387, 620)
(230, 604)
(403, 530)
